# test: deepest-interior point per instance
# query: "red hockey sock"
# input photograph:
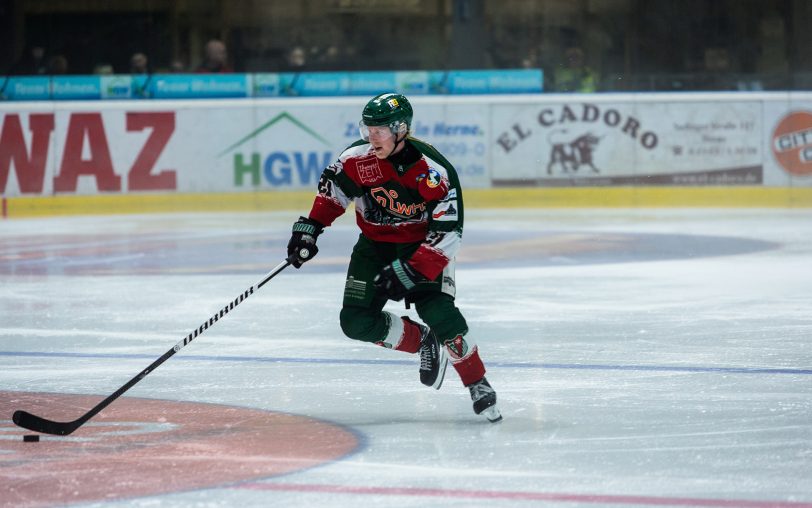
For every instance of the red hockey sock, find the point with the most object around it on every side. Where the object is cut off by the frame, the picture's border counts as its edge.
(410, 340)
(469, 366)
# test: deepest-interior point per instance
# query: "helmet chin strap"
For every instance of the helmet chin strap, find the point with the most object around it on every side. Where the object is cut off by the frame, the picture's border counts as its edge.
(397, 142)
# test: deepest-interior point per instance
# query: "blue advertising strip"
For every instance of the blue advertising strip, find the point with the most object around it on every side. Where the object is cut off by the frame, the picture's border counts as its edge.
(117, 86)
(486, 82)
(518, 81)
(412, 82)
(75, 88)
(304, 84)
(313, 84)
(264, 85)
(25, 88)
(371, 83)
(198, 86)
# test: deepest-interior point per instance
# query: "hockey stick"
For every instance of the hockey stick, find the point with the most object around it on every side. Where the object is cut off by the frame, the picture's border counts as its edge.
(38, 424)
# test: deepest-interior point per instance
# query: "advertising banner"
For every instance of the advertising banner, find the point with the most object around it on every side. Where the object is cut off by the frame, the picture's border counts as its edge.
(787, 142)
(285, 84)
(281, 147)
(600, 143)
(244, 145)
(215, 146)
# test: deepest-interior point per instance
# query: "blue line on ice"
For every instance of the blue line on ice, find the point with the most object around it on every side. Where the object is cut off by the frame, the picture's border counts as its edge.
(355, 361)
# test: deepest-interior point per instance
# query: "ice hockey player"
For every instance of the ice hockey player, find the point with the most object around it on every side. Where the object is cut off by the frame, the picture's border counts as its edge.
(408, 205)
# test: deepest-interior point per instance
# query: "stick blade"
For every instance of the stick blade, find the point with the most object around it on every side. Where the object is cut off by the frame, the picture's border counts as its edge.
(36, 423)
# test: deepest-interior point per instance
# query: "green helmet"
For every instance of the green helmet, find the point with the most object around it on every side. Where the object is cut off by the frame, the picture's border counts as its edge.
(392, 109)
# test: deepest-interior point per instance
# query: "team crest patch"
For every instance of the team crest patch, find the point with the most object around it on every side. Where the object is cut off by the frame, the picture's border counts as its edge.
(433, 178)
(369, 172)
(457, 347)
(393, 103)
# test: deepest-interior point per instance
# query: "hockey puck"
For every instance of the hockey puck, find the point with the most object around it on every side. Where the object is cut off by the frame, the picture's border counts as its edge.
(31, 438)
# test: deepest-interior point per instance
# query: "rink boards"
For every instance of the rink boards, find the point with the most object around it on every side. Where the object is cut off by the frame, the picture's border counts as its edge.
(757, 197)
(615, 150)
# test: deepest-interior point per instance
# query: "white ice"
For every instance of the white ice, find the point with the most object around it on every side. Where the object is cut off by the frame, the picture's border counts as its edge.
(659, 352)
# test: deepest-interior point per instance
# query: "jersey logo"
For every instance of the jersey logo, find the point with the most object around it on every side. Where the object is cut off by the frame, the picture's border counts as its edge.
(388, 199)
(433, 178)
(369, 172)
(445, 211)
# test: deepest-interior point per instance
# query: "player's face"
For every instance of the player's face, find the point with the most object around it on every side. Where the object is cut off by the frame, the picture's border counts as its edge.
(382, 140)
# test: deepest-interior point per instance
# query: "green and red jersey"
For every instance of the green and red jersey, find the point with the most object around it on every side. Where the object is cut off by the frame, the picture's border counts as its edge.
(412, 196)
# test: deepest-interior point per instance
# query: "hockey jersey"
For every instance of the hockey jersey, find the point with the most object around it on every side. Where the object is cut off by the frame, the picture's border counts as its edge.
(413, 196)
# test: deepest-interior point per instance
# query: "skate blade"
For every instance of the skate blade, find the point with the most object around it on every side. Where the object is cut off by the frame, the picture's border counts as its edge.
(492, 414)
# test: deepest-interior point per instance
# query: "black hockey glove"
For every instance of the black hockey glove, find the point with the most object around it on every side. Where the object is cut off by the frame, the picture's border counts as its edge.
(302, 244)
(397, 279)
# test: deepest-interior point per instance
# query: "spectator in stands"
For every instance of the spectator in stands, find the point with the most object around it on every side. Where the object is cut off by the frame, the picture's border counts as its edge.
(531, 60)
(103, 68)
(139, 64)
(177, 66)
(575, 75)
(329, 59)
(295, 60)
(215, 60)
(141, 70)
(57, 65)
(31, 62)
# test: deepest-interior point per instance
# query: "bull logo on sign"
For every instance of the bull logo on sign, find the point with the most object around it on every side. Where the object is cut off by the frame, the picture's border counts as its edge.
(571, 155)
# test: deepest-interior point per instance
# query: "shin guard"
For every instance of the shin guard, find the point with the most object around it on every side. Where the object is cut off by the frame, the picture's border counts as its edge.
(465, 359)
(403, 335)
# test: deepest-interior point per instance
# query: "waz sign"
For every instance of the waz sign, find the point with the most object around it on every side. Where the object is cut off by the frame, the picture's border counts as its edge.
(570, 135)
(85, 152)
(280, 167)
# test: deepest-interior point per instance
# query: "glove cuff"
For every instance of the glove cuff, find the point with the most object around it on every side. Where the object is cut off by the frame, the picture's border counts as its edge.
(308, 227)
(400, 272)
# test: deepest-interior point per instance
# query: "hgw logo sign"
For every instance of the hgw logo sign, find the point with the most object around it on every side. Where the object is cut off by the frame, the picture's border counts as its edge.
(281, 168)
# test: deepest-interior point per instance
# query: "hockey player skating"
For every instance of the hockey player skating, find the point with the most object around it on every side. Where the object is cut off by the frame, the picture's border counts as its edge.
(408, 205)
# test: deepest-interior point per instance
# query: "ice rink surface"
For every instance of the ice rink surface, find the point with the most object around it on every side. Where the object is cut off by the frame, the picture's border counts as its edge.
(641, 358)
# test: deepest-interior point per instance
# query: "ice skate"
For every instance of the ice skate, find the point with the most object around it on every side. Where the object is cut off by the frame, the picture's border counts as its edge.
(433, 359)
(484, 398)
